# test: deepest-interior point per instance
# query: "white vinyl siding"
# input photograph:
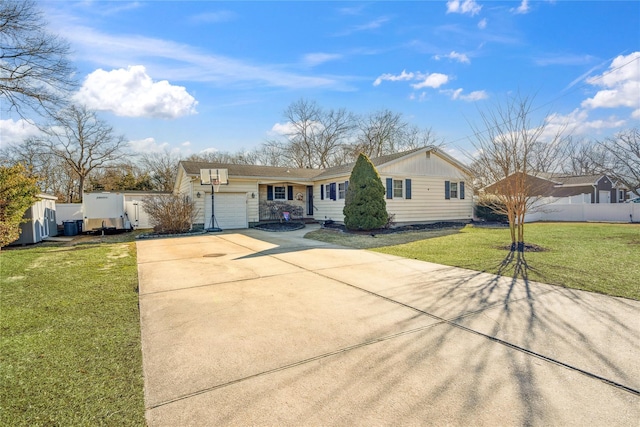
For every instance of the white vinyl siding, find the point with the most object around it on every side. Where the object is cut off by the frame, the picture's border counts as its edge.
(427, 203)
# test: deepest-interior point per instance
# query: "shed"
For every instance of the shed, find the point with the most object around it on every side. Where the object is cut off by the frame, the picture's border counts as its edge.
(40, 221)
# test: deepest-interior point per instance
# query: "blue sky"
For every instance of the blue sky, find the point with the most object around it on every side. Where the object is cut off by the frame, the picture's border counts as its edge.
(205, 75)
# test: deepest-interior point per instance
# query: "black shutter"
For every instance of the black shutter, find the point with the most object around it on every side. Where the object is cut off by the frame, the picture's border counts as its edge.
(332, 191)
(461, 190)
(289, 192)
(269, 192)
(408, 190)
(447, 190)
(389, 188)
(321, 192)
(346, 187)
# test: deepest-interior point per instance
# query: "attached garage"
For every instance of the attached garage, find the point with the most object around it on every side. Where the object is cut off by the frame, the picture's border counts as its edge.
(231, 210)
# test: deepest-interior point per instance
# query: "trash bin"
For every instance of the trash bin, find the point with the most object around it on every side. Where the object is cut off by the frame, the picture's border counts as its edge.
(70, 228)
(79, 223)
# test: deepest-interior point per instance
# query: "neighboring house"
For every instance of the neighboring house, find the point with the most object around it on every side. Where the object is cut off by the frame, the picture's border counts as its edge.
(41, 221)
(422, 185)
(569, 189)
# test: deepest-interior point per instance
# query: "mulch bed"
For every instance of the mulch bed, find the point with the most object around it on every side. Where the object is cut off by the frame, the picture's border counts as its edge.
(398, 229)
(280, 226)
(528, 247)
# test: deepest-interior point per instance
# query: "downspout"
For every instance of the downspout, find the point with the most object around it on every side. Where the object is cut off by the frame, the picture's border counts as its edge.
(595, 193)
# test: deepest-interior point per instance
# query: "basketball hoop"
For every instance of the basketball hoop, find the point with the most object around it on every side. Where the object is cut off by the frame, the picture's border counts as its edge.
(215, 178)
(215, 184)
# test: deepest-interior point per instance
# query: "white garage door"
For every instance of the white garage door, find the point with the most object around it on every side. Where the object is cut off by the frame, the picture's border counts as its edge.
(231, 210)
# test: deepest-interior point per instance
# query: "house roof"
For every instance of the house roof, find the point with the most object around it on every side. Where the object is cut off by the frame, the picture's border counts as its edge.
(284, 173)
(251, 171)
(551, 184)
(578, 180)
(46, 196)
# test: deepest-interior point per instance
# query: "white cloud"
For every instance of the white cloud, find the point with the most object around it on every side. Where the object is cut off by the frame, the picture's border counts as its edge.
(434, 80)
(460, 57)
(482, 24)
(283, 128)
(313, 59)
(214, 17)
(209, 150)
(577, 123)
(469, 7)
(523, 8)
(456, 94)
(16, 132)
(621, 85)
(289, 128)
(371, 25)
(178, 61)
(394, 78)
(149, 145)
(132, 93)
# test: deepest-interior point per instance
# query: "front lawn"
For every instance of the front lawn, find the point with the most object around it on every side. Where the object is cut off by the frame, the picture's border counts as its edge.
(70, 344)
(595, 257)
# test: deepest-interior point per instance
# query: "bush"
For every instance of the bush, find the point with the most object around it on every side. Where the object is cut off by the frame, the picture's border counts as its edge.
(170, 214)
(365, 207)
(17, 194)
(490, 209)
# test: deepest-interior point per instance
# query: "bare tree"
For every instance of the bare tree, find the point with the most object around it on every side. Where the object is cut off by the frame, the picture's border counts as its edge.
(584, 158)
(415, 137)
(622, 158)
(315, 137)
(380, 133)
(83, 141)
(513, 155)
(34, 71)
(161, 167)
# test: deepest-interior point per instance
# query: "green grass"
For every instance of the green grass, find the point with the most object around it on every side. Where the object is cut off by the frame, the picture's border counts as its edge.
(594, 257)
(70, 337)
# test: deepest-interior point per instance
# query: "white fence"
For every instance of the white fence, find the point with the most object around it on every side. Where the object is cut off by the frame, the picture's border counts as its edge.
(68, 211)
(581, 212)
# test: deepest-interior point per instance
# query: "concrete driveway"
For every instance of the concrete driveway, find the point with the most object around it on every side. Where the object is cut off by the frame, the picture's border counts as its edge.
(256, 328)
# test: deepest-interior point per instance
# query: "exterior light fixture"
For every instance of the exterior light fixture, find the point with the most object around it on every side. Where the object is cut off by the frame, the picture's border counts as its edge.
(198, 194)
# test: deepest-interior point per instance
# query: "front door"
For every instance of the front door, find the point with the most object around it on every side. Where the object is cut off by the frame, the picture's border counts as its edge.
(309, 200)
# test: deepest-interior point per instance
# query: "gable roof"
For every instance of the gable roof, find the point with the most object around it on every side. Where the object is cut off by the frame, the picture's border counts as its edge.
(284, 173)
(579, 180)
(550, 184)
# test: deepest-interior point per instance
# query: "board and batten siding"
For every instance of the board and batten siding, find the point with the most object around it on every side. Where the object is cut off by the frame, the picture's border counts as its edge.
(424, 164)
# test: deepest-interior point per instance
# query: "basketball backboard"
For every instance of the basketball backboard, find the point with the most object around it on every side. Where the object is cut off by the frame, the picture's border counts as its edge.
(214, 176)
